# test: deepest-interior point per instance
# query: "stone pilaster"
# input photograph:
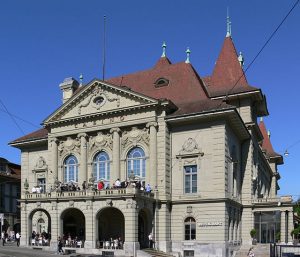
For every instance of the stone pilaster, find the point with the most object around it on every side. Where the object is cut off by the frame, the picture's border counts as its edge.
(54, 164)
(151, 176)
(290, 225)
(82, 176)
(273, 186)
(116, 155)
(131, 244)
(283, 234)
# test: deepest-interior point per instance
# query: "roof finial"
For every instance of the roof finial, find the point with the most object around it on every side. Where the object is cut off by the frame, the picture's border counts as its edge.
(241, 59)
(188, 52)
(164, 46)
(81, 79)
(261, 119)
(228, 34)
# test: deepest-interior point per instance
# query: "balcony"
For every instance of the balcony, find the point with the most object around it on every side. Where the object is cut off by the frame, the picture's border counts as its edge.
(85, 194)
(275, 200)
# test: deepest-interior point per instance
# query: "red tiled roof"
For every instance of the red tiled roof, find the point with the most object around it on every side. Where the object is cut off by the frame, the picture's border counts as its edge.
(227, 73)
(266, 143)
(184, 82)
(200, 106)
(38, 134)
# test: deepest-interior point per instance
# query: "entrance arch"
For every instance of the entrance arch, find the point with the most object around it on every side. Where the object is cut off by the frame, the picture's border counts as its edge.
(73, 223)
(110, 223)
(144, 227)
(34, 228)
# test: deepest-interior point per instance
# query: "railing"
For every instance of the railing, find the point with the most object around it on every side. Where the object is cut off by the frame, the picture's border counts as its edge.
(282, 250)
(278, 200)
(88, 193)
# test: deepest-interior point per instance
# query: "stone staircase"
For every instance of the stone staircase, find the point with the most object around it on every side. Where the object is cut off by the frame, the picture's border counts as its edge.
(156, 253)
(260, 250)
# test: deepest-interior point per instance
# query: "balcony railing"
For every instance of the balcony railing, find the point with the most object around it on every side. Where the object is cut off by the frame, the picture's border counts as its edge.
(278, 200)
(114, 193)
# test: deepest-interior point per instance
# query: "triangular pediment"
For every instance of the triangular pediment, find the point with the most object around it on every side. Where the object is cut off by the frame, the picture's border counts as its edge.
(99, 97)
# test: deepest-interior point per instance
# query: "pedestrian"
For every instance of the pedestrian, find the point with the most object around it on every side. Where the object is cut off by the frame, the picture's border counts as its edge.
(59, 246)
(3, 238)
(18, 238)
(250, 252)
(150, 237)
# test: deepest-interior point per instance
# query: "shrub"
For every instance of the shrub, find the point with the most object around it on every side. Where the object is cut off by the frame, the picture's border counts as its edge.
(253, 233)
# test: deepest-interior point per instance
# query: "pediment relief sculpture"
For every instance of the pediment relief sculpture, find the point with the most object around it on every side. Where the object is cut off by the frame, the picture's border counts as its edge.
(135, 136)
(190, 146)
(97, 99)
(40, 164)
(101, 141)
(69, 145)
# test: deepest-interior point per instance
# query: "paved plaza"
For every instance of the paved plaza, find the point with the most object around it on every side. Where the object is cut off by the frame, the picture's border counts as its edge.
(11, 250)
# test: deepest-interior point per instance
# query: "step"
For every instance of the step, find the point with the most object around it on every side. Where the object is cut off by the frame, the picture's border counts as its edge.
(156, 253)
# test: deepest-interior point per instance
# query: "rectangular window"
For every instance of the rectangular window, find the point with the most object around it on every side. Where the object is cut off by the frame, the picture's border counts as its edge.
(42, 183)
(188, 253)
(190, 179)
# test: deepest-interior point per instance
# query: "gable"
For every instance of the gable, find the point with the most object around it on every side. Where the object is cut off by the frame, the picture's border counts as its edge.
(99, 97)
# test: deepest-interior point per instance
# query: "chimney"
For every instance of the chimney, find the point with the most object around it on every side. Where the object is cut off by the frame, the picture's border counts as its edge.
(68, 87)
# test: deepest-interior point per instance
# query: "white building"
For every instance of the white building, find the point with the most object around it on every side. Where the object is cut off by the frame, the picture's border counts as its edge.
(196, 141)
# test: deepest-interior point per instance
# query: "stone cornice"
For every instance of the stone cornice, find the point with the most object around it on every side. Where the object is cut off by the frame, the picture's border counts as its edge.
(87, 90)
(106, 113)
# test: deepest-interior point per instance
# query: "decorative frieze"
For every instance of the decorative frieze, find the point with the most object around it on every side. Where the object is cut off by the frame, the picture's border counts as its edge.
(134, 137)
(97, 99)
(68, 146)
(100, 141)
(40, 165)
(190, 146)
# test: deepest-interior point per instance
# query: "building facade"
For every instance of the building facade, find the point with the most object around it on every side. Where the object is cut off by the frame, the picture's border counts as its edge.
(196, 142)
(10, 192)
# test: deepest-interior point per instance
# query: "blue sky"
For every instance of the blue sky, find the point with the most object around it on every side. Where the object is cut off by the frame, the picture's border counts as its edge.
(42, 42)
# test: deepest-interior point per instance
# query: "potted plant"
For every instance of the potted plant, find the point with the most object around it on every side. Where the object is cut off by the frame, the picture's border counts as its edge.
(277, 237)
(253, 236)
(295, 235)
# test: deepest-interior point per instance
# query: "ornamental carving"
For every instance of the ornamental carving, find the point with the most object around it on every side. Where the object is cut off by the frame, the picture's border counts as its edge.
(190, 146)
(101, 141)
(70, 145)
(97, 99)
(135, 136)
(40, 164)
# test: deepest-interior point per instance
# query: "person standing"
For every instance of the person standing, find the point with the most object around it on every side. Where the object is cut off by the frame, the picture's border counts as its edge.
(18, 238)
(3, 238)
(59, 246)
(251, 253)
(150, 237)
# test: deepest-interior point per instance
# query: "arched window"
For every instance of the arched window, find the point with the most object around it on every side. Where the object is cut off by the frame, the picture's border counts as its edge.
(189, 229)
(136, 163)
(71, 169)
(101, 167)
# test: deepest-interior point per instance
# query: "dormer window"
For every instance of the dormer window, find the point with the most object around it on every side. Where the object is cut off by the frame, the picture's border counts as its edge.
(161, 82)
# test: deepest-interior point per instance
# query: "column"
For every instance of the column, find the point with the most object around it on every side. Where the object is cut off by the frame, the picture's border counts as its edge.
(116, 154)
(273, 186)
(283, 235)
(153, 154)
(290, 225)
(54, 150)
(82, 176)
(131, 244)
